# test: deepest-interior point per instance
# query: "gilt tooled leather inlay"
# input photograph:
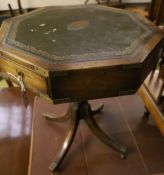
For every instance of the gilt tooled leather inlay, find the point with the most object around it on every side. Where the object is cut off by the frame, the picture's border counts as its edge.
(75, 34)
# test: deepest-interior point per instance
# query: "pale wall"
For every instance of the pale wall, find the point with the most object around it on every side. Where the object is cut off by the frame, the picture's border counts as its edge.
(42, 3)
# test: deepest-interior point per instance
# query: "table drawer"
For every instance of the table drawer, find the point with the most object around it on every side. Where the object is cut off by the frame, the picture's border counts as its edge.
(31, 79)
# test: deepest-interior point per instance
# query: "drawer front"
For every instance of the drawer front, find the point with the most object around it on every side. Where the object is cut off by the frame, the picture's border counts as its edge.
(79, 85)
(32, 80)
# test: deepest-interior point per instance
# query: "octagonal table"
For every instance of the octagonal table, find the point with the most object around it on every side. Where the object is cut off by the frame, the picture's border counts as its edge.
(76, 53)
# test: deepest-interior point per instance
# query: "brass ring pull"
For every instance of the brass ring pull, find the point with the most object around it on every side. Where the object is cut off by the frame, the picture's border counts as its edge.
(19, 80)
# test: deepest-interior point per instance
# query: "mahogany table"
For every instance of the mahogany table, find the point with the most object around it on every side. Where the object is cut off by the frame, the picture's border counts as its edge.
(76, 53)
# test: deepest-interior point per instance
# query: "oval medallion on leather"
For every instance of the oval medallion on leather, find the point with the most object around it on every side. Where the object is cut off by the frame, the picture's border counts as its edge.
(78, 25)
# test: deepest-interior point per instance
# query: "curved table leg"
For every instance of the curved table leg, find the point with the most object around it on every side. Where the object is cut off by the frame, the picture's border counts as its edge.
(97, 109)
(68, 140)
(97, 131)
(76, 112)
(57, 118)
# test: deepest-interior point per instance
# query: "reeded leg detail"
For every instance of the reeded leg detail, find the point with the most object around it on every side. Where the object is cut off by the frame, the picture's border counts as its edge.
(69, 139)
(97, 131)
(57, 118)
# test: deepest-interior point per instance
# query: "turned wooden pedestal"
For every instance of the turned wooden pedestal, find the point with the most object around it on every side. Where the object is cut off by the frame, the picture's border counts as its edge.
(76, 112)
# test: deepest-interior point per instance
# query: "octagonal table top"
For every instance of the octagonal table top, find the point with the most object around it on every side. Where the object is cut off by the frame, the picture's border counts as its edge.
(79, 35)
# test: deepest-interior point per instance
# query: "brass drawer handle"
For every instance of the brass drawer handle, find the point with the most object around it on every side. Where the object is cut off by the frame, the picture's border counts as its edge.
(19, 80)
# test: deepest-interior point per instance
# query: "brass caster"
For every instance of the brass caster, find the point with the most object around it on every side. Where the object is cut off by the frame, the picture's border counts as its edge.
(53, 167)
(122, 155)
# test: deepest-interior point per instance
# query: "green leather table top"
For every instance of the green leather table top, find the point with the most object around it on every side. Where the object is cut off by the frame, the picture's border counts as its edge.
(76, 34)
